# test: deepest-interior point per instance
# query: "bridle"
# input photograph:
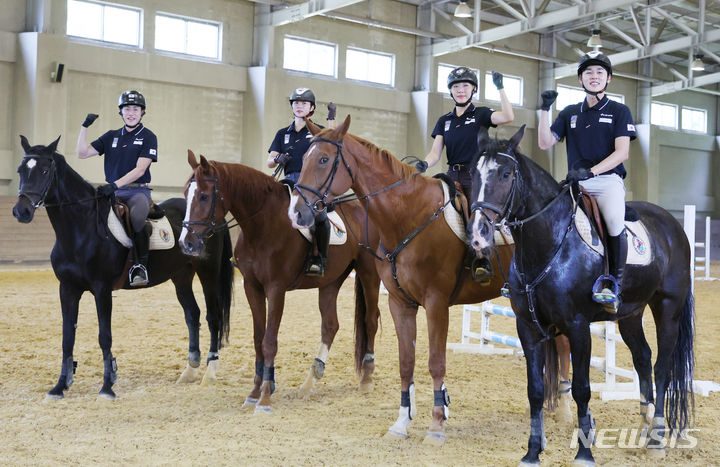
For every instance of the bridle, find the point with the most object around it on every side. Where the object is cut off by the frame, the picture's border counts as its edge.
(42, 194)
(507, 208)
(321, 204)
(212, 225)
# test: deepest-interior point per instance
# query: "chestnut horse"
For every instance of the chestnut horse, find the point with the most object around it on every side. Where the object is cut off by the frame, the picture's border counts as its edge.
(423, 260)
(271, 255)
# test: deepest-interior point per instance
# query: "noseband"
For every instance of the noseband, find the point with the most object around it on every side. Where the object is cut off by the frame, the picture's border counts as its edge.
(321, 204)
(22, 193)
(212, 226)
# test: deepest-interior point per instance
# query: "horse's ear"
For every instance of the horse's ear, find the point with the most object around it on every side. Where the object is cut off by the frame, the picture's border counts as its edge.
(517, 137)
(53, 146)
(483, 139)
(343, 128)
(314, 129)
(24, 143)
(204, 162)
(192, 160)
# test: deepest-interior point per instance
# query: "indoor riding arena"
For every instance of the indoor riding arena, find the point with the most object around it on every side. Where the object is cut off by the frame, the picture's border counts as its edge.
(124, 376)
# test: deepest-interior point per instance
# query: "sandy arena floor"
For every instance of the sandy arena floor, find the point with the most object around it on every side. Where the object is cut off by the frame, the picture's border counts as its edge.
(157, 422)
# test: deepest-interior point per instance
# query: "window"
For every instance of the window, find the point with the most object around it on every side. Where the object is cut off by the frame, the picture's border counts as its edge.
(513, 89)
(104, 22)
(309, 56)
(568, 95)
(443, 71)
(188, 36)
(373, 67)
(694, 120)
(663, 114)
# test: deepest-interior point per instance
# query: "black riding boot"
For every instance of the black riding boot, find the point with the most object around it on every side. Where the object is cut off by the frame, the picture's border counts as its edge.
(316, 264)
(138, 272)
(617, 251)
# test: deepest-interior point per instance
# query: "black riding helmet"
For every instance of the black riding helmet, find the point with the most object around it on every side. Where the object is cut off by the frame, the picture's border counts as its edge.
(594, 58)
(303, 94)
(462, 75)
(131, 98)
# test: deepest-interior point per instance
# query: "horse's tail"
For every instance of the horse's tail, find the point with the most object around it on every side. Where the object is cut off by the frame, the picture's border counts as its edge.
(361, 323)
(679, 396)
(225, 290)
(550, 377)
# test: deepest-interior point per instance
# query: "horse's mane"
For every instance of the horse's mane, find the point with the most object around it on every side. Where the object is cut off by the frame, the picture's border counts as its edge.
(382, 156)
(241, 181)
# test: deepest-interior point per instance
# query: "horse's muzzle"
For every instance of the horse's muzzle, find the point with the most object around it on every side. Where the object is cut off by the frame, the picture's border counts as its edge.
(23, 211)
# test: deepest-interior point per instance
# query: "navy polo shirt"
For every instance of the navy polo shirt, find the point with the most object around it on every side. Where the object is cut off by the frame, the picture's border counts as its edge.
(295, 143)
(460, 133)
(123, 148)
(591, 132)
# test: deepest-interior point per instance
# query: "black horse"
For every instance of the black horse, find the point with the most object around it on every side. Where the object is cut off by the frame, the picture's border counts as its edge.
(550, 282)
(86, 257)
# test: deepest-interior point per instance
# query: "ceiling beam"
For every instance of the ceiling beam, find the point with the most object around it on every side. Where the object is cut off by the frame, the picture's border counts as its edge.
(299, 12)
(633, 55)
(528, 25)
(685, 85)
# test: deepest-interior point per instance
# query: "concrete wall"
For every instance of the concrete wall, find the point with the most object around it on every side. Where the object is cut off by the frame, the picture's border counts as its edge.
(232, 109)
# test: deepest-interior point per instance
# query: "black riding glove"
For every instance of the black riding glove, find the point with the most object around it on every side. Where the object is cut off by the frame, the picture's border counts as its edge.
(89, 120)
(107, 190)
(497, 80)
(421, 166)
(578, 175)
(548, 97)
(332, 108)
(282, 159)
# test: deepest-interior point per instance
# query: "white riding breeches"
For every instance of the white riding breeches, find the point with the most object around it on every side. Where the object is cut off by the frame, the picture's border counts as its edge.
(609, 191)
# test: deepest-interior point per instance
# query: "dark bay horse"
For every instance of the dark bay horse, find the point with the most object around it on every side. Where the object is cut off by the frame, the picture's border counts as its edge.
(271, 254)
(551, 279)
(422, 259)
(86, 257)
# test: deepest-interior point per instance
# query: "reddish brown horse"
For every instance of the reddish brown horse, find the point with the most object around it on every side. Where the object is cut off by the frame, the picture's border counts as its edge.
(423, 258)
(271, 254)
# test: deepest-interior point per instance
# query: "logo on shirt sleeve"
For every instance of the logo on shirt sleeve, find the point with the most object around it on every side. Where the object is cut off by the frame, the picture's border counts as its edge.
(630, 127)
(153, 152)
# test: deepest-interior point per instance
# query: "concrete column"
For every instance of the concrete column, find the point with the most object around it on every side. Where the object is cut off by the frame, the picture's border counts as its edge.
(548, 159)
(263, 36)
(423, 56)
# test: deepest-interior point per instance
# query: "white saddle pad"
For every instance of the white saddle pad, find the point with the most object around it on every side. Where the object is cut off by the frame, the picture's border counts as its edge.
(457, 224)
(161, 237)
(338, 232)
(639, 247)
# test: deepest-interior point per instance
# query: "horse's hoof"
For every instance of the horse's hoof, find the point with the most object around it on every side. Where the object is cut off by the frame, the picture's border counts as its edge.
(189, 375)
(54, 397)
(395, 434)
(210, 376)
(249, 403)
(528, 464)
(656, 452)
(434, 438)
(108, 396)
(366, 387)
(263, 409)
(584, 462)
